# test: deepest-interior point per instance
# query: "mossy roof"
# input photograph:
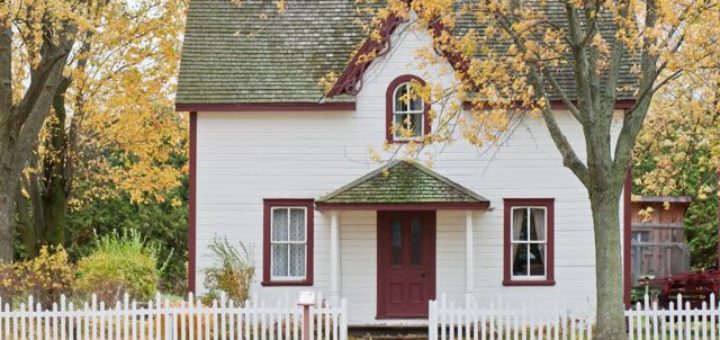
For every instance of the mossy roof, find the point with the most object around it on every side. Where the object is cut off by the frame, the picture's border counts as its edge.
(248, 53)
(400, 182)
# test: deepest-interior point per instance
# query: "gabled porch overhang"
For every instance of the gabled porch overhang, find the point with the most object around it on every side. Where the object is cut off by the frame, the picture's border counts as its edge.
(401, 186)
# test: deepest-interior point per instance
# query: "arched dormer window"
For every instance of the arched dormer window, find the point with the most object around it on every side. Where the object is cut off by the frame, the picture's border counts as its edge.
(406, 111)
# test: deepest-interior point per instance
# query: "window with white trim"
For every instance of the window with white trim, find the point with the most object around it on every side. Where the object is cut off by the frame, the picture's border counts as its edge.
(288, 243)
(529, 242)
(408, 113)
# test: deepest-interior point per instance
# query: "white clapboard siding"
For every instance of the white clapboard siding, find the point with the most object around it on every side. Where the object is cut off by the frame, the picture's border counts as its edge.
(501, 320)
(170, 320)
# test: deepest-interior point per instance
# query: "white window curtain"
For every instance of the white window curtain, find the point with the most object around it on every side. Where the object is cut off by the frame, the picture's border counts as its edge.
(288, 243)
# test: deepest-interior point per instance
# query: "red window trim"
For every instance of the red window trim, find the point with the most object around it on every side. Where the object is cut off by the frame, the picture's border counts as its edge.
(549, 204)
(389, 106)
(309, 204)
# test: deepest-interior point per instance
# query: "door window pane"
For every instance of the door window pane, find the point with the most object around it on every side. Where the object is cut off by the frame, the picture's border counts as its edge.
(396, 241)
(416, 241)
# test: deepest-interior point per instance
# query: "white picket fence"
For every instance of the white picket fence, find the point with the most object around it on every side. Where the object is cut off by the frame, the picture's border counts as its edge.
(505, 321)
(166, 320)
(679, 321)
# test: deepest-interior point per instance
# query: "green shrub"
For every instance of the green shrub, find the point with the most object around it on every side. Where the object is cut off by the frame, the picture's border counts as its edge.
(233, 274)
(119, 265)
(45, 277)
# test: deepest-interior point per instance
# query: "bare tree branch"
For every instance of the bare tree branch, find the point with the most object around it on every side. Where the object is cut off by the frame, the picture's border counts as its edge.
(570, 158)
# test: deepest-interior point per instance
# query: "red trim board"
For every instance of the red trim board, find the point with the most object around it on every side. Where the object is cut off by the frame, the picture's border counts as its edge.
(274, 106)
(404, 206)
(192, 204)
(627, 238)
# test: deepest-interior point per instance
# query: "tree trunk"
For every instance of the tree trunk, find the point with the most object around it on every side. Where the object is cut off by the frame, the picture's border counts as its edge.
(608, 264)
(26, 226)
(7, 211)
(54, 199)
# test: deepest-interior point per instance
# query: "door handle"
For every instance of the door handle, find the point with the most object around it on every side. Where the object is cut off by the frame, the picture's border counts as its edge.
(422, 275)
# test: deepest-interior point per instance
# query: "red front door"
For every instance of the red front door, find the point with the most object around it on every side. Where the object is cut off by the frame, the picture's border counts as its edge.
(406, 263)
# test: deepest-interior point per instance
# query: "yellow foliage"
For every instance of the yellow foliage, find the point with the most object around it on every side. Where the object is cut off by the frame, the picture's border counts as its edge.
(45, 277)
(123, 130)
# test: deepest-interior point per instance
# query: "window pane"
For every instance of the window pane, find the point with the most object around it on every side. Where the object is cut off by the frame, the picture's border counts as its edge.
(537, 224)
(400, 104)
(279, 225)
(537, 259)
(408, 122)
(297, 260)
(297, 224)
(641, 236)
(519, 263)
(280, 259)
(519, 223)
(396, 241)
(416, 242)
(416, 104)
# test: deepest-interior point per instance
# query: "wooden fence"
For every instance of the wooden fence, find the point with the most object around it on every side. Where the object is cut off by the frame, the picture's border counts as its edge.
(503, 321)
(172, 320)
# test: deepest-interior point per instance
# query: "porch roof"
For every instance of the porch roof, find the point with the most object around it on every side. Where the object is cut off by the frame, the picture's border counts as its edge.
(403, 185)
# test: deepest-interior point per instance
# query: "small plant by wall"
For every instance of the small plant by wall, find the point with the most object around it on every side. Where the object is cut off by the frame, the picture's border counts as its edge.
(232, 273)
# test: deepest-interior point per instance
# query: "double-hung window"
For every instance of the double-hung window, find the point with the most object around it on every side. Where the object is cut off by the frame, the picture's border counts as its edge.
(529, 241)
(288, 242)
(406, 113)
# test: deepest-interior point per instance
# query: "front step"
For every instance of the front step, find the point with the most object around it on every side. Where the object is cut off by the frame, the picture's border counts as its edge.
(388, 333)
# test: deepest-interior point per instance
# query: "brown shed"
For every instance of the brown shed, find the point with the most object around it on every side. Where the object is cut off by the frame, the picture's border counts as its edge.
(659, 247)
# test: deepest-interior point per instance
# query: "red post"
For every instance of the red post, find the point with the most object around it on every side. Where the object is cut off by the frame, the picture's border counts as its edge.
(306, 299)
(306, 323)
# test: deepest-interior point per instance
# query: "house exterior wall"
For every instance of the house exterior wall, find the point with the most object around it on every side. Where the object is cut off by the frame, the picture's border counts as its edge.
(244, 157)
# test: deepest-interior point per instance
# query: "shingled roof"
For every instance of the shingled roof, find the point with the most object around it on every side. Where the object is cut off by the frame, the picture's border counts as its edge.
(402, 182)
(245, 54)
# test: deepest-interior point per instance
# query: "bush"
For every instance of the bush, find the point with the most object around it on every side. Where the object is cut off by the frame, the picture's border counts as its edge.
(119, 265)
(45, 277)
(233, 275)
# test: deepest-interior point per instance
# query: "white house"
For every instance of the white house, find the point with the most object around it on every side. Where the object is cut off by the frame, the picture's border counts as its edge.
(277, 164)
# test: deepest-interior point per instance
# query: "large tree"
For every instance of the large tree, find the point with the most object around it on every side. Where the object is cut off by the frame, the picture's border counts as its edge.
(111, 122)
(36, 40)
(511, 63)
